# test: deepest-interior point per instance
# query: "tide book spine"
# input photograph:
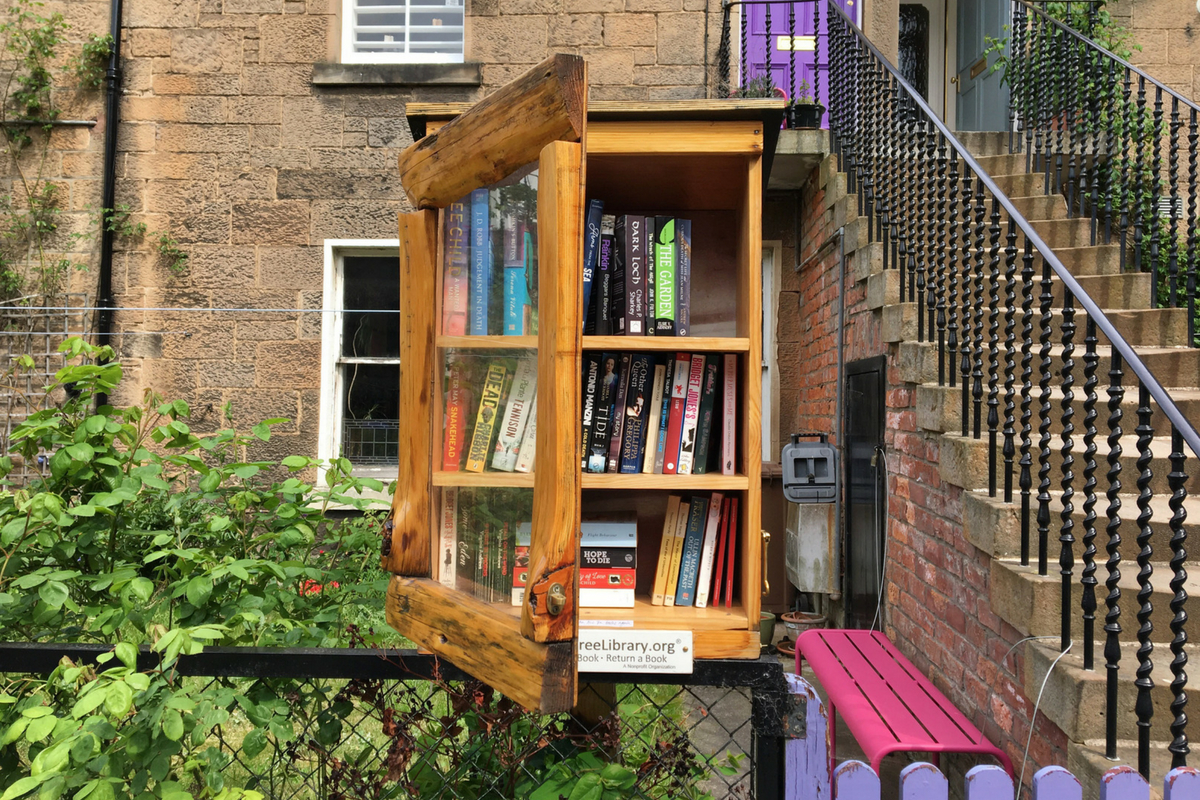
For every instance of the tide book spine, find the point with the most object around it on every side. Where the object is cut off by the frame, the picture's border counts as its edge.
(528, 449)
(650, 240)
(731, 556)
(664, 411)
(683, 277)
(516, 415)
(709, 549)
(468, 543)
(617, 428)
(458, 398)
(729, 415)
(718, 576)
(691, 415)
(481, 261)
(665, 547)
(619, 265)
(664, 276)
(681, 523)
(704, 425)
(514, 274)
(485, 420)
(591, 381)
(635, 275)
(606, 395)
(634, 412)
(650, 439)
(679, 389)
(455, 281)
(448, 544)
(591, 249)
(604, 278)
(693, 543)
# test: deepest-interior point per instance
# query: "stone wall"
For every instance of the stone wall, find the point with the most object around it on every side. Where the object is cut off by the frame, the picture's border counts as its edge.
(1169, 34)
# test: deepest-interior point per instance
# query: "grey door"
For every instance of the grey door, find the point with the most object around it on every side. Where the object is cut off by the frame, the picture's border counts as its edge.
(982, 98)
(864, 489)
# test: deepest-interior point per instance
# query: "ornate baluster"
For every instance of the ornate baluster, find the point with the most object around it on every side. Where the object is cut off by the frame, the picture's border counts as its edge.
(977, 360)
(1152, 210)
(951, 244)
(919, 246)
(1066, 538)
(1193, 136)
(1128, 176)
(1112, 602)
(1113, 132)
(1173, 184)
(1026, 481)
(968, 272)
(1138, 182)
(1176, 479)
(743, 67)
(791, 54)
(1094, 98)
(1010, 355)
(937, 301)
(1043, 514)
(816, 81)
(993, 395)
(1090, 362)
(1144, 705)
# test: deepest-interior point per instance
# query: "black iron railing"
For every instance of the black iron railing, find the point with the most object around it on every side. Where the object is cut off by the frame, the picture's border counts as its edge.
(1002, 316)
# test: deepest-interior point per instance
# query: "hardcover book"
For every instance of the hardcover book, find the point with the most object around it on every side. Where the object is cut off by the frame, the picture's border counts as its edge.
(729, 415)
(454, 279)
(483, 563)
(608, 532)
(650, 439)
(485, 419)
(603, 288)
(606, 396)
(718, 573)
(665, 548)
(516, 415)
(448, 543)
(618, 282)
(689, 566)
(691, 415)
(634, 412)
(708, 550)
(607, 578)
(458, 401)
(679, 390)
(528, 449)
(591, 383)
(664, 276)
(683, 277)
(635, 275)
(618, 416)
(704, 426)
(481, 261)
(591, 251)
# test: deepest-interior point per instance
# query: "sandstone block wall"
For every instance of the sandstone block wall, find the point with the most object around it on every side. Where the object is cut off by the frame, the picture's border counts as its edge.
(1169, 34)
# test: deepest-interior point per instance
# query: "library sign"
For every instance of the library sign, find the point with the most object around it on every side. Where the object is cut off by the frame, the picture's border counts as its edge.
(607, 650)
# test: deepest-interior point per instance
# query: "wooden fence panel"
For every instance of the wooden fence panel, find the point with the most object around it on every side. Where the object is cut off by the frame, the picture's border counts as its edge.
(1056, 783)
(1182, 784)
(989, 782)
(922, 781)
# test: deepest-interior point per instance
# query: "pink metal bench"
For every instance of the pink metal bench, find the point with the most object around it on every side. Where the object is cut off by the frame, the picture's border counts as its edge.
(888, 704)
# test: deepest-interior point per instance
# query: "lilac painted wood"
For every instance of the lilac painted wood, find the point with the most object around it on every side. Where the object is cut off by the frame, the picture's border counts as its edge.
(1124, 783)
(1182, 783)
(1055, 783)
(989, 782)
(806, 760)
(854, 780)
(923, 781)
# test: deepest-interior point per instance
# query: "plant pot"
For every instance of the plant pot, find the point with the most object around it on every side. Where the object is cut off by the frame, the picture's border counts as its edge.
(805, 115)
(797, 622)
(766, 627)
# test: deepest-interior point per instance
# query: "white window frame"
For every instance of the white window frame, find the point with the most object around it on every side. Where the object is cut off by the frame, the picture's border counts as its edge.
(350, 54)
(772, 277)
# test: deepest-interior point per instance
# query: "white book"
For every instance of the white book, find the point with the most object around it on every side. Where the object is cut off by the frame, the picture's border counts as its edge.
(516, 415)
(691, 416)
(652, 417)
(608, 532)
(729, 416)
(664, 552)
(708, 549)
(448, 544)
(606, 598)
(529, 442)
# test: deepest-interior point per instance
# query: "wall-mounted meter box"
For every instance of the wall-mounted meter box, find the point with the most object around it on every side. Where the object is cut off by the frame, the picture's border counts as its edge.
(810, 472)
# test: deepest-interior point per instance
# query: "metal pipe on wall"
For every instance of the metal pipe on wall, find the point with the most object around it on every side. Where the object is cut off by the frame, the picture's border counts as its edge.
(112, 79)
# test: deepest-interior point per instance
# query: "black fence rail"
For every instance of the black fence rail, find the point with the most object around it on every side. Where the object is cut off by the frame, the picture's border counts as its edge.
(401, 724)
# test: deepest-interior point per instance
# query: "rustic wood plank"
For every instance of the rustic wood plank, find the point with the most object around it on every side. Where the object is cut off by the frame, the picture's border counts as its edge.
(989, 782)
(923, 781)
(489, 645)
(692, 344)
(704, 482)
(806, 760)
(749, 284)
(522, 480)
(501, 133)
(1056, 783)
(726, 644)
(411, 505)
(854, 780)
(487, 342)
(1123, 783)
(556, 494)
(676, 137)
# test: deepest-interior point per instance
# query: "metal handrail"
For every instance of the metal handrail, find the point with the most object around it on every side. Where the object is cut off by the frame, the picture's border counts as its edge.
(1165, 404)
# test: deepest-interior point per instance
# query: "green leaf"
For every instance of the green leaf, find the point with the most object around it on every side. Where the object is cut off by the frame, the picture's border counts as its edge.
(262, 431)
(254, 743)
(588, 788)
(22, 786)
(173, 725)
(142, 589)
(90, 701)
(199, 589)
(53, 594)
(127, 653)
(82, 511)
(81, 451)
(210, 481)
(40, 728)
(138, 681)
(95, 423)
(295, 462)
(119, 699)
(246, 471)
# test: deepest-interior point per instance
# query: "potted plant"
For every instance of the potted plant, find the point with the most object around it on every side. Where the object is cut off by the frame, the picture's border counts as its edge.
(805, 112)
(760, 85)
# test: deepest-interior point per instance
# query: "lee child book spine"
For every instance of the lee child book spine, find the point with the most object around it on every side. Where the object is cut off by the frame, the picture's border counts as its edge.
(528, 451)
(485, 419)
(650, 439)
(665, 548)
(634, 412)
(591, 250)
(606, 395)
(604, 278)
(619, 303)
(683, 277)
(691, 414)
(729, 415)
(591, 382)
(635, 275)
(681, 523)
(448, 544)
(481, 261)
(709, 549)
(664, 276)
(664, 414)
(515, 295)
(457, 408)
(704, 426)
(679, 389)
(731, 555)
(455, 282)
(689, 565)
(617, 428)
(516, 415)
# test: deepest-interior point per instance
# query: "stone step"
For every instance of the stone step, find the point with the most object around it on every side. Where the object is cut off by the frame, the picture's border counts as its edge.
(1103, 259)
(984, 143)
(1129, 290)
(868, 261)
(1021, 183)
(1004, 164)
(1041, 207)
(1059, 233)
(1086, 762)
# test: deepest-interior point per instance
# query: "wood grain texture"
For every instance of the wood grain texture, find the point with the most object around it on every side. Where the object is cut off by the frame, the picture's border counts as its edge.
(480, 639)
(686, 344)
(520, 480)
(411, 505)
(686, 137)
(806, 758)
(651, 617)
(556, 493)
(726, 644)
(704, 482)
(488, 342)
(500, 134)
(750, 324)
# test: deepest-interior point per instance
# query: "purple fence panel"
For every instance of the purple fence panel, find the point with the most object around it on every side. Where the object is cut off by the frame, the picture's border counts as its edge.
(806, 759)
(923, 781)
(854, 780)
(1124, 783)
(1182, 783)
(989, 782)
(1055, 783)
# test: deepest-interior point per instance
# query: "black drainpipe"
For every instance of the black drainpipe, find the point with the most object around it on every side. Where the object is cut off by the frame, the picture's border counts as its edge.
(106, 301)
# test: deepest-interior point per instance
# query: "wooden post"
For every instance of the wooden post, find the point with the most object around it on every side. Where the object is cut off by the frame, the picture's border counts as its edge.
(806, 758)
(1124, 783)
(1056, 783)
(1182, 783)
(923, 781)
(854, 780)
(989, 782)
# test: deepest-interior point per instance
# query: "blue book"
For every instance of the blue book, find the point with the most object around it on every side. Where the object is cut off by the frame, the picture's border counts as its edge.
(591, 251)
(516, 294)
(636, 412)
(689, 564)
(481, 262)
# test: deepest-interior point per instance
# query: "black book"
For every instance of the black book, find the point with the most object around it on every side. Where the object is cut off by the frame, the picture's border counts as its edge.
(606, 397)
(618, 416)
(619, 303)
(708, 415)
(591, 382)
(635, 274)
(468, 543)
(683, 277)
(603, 292)
(650, 239)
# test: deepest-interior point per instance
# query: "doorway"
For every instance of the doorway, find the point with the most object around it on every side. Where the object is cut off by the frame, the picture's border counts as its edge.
(866, 509)
(981, 96)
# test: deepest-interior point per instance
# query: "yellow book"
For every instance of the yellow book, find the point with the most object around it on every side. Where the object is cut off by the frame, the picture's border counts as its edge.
(664, 551)
(485, 420)
(681, 523)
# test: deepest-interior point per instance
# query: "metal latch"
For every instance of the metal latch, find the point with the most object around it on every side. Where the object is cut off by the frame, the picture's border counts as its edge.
(556, 599)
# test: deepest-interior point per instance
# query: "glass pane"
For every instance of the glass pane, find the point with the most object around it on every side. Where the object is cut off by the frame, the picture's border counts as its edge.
(483, 544)
(371, 297)
(489, 402)
(371, 425)
(489, 279)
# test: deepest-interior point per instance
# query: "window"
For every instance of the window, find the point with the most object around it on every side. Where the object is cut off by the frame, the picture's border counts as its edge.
(402, 31)
(360, 357)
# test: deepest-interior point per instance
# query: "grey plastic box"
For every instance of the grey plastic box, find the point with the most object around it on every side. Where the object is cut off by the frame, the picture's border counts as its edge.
(810, 471)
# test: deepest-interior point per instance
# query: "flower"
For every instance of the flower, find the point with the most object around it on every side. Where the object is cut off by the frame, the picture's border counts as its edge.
(310, 587)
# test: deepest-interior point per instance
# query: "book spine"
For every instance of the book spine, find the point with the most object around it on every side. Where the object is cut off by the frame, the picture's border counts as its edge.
(634, 413)
(457, 408)
(591, 382)
(515, 294)
(482, 571)
(528, 449)
(635, 275)
(608, 557)
(650, 426)
(729, 415)
(606, 395)
(591, 249)
(618, 416)
(683, 277)
(520, 573)
(620, 578)
(691, 414)
(619, 266)
(604, 278)
(709, 549)
(503, 590)
(650, 245)
(681, 523)
(664, 276)
(731, 555)
(448, 545)
(528, 321)
(481, 261)
(516, 415)
(665, 548)
(455, 282)
(468, 543)
(704, 426)
(718, 576)
(679, 389)
(689, 565)
(615, 533)
(660, 447)
(606, 598)
(485, 420)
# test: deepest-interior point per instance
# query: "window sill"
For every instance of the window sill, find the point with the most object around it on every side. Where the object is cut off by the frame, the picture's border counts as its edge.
(466, 74)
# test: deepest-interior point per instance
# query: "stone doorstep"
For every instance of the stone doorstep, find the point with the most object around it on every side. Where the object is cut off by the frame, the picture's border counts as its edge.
(1086, 762)
(1125, 291)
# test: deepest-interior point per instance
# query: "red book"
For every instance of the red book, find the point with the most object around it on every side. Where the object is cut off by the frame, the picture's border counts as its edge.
(456, 417)
(618, 578)
(724, 527)
(732, 552)
(679, 387)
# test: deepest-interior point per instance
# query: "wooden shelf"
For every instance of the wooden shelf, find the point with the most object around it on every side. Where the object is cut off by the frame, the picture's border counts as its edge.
(645, 615)
(706, 482)
(488, 342)
(523, 480)
(682, 344)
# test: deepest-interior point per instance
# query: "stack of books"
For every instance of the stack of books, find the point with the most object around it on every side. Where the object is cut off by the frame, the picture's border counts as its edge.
(483, 544)
(637, 274)
(607, 563)
(698, 551)
(491, 414)
(658, 414)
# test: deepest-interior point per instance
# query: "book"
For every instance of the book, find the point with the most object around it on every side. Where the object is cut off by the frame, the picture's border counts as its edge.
(529, 316)
(485, 419)
(634, 412)
(608, 557)
(618, 281)
(455, 279)
(718, 577)
(683, 276)
(650, 294)
(731, 555)
(635, 275)
(520, 572)
(606, 598)
(606, 396)
(679, 389)
(516, 414)
(483, 567)
(729, 415)
(704, 425)
(665, 548)
(607, 578)
(708, 549)
(591, 251)
(660, 447)
(591, 383)
(691, 415)
(650, 439)
(603, 280)
(516, 295)
(689, 563)
(468, 543)
(481, 262)
(618, 531)
(507, 547)
(664, 276)
(458, 401)
(528, 449)
(618, 415)
(681, 522)
(448, 543)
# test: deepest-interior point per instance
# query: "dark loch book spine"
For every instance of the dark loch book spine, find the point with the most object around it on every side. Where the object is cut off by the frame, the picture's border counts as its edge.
(635, 275)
